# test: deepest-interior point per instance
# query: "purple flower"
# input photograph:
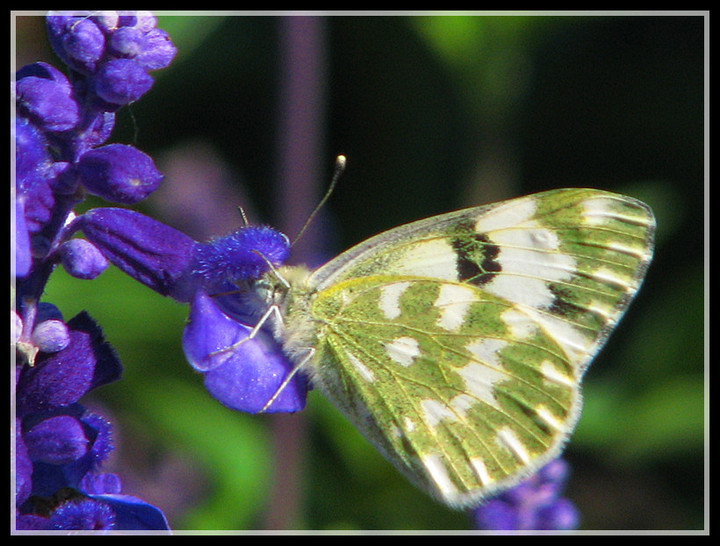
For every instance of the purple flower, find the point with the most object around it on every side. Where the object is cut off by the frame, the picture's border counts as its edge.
(535, 504)
(60, 126)
(244, 373)
(60, 445)
(61, 378)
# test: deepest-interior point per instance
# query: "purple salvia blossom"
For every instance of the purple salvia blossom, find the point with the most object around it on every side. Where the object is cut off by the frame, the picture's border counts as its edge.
(533, 505)
(241, 373)
(60, 129)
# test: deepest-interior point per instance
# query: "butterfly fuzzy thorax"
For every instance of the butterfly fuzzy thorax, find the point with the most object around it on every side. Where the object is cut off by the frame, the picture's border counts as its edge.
(456, 344)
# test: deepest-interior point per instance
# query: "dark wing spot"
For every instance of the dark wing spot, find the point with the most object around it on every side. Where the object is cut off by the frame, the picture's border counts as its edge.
(476, 258)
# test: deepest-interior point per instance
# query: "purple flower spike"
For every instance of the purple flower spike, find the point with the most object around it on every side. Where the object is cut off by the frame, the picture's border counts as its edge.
(61, 121)
(242, 375)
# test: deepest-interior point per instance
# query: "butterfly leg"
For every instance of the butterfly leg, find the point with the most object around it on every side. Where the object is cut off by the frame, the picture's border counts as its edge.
(296, 369)
(273, 309)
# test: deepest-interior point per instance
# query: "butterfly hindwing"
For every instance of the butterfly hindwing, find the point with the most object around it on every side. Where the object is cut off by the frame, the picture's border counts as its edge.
(438, 382)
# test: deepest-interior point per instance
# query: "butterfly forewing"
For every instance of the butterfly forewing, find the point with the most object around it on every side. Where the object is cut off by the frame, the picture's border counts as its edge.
(456, 344)
(572, 259)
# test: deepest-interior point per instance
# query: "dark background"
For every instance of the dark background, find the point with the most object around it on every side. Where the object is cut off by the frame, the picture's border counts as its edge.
(433, 113)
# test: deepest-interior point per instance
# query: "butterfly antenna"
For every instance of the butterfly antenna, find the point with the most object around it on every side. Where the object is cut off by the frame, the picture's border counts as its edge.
(340, 162)
(272, 268)
(243, 215)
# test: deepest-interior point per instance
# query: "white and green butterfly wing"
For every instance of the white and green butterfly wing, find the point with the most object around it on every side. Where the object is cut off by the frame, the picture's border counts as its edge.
(456, 344)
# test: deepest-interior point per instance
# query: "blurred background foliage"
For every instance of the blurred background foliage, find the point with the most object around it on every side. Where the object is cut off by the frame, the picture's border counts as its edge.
(434, 113)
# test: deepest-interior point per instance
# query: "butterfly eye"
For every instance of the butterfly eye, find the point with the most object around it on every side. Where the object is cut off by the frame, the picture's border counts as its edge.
(264, 289)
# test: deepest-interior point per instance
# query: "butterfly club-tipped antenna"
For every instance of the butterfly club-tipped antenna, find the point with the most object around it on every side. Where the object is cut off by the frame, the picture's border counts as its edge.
(340, 162)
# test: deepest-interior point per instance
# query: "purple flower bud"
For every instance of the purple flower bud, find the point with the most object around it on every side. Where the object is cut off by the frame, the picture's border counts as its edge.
(56, 440)
(77, 40)
(149, 251)
(122, 81)
(107, 21)
(159, 50)
(51, 336)
(103, 483)
(118, 173)
(82, 259)
(47, 99)
(126, 42)
(242, 376)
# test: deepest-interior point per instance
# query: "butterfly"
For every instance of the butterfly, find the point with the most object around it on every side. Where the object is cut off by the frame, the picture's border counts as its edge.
(457, 344)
